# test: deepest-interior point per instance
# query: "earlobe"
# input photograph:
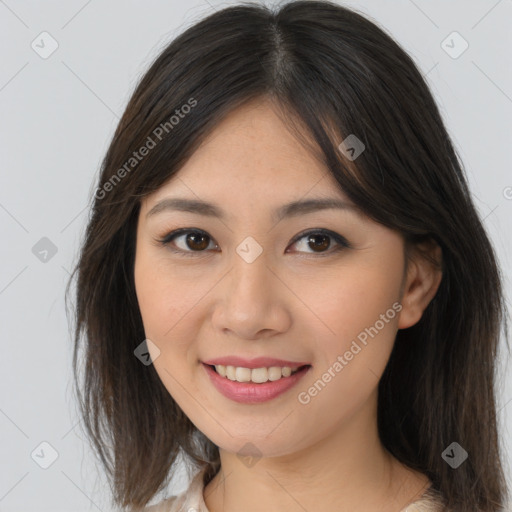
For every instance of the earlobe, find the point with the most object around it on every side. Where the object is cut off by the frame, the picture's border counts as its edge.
(424, 276)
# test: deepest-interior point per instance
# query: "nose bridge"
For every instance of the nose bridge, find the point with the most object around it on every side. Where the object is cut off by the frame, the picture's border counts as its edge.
(251, 277)
(251, 301)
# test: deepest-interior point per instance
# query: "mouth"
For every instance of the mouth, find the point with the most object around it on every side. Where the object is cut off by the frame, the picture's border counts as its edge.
(256, 385)
(255, 375)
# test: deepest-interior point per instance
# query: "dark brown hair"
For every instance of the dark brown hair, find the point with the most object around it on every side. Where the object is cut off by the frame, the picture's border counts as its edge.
(330, 72)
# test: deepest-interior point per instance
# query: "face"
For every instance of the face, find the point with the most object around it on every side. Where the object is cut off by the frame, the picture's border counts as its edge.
(320, 287)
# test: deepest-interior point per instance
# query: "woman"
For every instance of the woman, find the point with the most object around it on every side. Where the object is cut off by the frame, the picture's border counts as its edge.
(285, 280)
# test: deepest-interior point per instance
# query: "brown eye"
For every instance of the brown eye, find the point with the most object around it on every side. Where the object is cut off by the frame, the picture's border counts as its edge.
(192, 242)
(197, 241)
(319, 241)
(186, 241)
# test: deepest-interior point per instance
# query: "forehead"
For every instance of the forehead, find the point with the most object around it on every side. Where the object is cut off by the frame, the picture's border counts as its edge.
(251, 157)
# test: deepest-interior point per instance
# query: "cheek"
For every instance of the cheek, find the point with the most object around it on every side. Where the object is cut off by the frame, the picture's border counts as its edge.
(159, 307)
(154, 299)
(356, 297)
(167, 312)
(162, 300)
(360, 308)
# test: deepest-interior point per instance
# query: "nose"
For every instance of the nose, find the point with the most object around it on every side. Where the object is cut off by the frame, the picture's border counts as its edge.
(253, 302)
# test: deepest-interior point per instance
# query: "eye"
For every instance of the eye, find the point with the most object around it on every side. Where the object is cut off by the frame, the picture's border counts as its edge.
(319, 240)
(196, 241)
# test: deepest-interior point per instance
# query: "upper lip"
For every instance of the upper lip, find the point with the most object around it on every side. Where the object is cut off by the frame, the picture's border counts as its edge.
(258, 362)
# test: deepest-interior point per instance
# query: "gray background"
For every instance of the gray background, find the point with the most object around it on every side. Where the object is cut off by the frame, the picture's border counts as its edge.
(58, 114)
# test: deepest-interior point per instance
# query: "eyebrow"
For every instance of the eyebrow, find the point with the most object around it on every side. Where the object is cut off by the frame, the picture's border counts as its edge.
(291, 209)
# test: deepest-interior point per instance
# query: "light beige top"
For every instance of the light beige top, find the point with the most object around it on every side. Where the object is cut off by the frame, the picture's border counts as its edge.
(191, 500)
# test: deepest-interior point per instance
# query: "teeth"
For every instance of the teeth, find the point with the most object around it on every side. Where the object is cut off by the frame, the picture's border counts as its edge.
(257, 375)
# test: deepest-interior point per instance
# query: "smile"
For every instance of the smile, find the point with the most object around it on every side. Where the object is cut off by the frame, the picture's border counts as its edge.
(256, 385)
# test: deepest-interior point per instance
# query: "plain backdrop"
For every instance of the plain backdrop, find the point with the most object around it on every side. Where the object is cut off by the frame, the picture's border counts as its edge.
(58, 113)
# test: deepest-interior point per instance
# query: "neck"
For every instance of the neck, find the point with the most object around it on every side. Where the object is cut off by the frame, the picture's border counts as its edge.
(346, 470)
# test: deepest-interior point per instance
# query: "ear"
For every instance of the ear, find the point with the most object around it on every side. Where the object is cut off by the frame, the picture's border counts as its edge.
(424, 274)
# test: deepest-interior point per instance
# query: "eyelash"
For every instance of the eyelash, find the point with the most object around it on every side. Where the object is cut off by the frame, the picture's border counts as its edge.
(169, 237)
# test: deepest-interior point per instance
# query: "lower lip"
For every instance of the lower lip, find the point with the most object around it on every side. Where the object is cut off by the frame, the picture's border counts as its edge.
(250, 392)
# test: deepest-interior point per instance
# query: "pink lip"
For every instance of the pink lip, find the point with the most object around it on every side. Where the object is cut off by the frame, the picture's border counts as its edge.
(250, 392)
(258, 362)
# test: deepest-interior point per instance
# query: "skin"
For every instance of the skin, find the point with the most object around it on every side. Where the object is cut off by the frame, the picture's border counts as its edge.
(292, 302)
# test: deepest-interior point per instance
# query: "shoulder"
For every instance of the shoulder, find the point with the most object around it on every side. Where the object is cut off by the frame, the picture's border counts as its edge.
(190, 499)
(430, 501)
(168, 505)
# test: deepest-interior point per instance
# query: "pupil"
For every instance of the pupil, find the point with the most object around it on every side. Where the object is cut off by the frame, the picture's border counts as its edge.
(323, 244)
(192, 239)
